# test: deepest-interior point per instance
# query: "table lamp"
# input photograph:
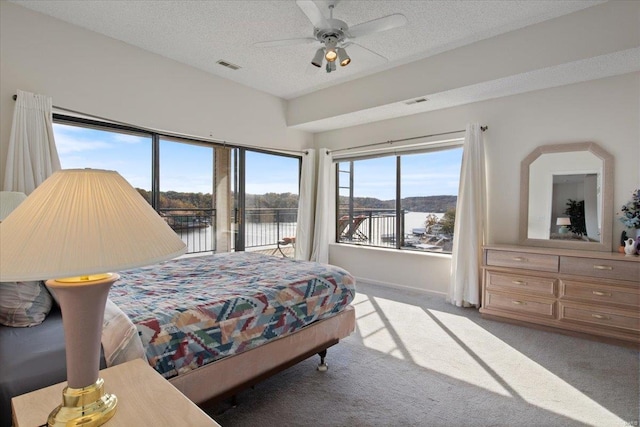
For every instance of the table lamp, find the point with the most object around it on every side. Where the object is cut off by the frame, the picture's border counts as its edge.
(564, 223)
(77, 226)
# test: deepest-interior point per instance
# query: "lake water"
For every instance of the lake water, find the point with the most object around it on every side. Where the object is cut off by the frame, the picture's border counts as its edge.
(267, 234)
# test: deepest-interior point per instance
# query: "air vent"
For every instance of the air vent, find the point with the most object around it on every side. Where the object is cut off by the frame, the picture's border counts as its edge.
(228, 65)
(416, 101)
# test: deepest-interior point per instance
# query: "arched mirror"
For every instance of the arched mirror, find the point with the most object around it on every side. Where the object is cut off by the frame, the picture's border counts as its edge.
(566, 197)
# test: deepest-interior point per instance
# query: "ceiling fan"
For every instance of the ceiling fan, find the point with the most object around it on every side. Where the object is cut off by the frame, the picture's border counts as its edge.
(335, 35)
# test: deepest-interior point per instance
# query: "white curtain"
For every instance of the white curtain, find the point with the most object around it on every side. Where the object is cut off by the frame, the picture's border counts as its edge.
(325, 207)
(32, 155)
(306, 207)
(469, 230)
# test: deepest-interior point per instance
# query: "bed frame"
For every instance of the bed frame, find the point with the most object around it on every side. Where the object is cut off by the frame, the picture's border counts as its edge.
(225, 378)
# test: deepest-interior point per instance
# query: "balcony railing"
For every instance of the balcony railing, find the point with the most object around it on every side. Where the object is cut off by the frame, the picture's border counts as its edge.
(368, 227)
(377, 227)
(196, 227)
(264, 227)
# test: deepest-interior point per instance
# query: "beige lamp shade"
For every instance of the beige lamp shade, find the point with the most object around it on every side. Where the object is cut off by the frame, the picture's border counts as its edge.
(81, 222)
(563, 221)
(9, 200)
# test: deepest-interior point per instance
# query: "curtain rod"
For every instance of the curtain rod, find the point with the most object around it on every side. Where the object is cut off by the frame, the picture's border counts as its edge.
(174, 134)
(391, 141)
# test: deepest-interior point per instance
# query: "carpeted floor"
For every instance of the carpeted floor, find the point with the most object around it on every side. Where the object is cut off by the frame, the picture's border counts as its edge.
(415, 360)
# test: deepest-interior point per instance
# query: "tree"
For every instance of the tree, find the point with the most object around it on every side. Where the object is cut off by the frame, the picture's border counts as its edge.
(430, 221)
(448, 221)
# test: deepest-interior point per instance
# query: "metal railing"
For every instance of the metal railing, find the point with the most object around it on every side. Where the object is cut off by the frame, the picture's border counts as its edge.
(377, 227)
(196, 227)
(265, 227)
(372, 227)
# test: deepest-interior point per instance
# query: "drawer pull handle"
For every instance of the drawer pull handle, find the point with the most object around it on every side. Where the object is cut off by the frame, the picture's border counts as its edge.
(602, 267)
(601, 294)
(519, 302)
(519, 258)
(601, 316)
(519, 282)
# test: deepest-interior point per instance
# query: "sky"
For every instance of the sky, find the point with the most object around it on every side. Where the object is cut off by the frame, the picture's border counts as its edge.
(428, 174)
(189, 168)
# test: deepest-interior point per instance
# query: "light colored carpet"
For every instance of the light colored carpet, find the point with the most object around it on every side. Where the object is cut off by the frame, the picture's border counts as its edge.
(415, 360)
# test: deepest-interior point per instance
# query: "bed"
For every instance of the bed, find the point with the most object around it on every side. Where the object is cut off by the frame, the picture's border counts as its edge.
(261, 315)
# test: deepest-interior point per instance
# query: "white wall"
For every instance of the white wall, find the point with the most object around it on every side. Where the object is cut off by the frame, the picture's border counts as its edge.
(605, 111)
(84, 71)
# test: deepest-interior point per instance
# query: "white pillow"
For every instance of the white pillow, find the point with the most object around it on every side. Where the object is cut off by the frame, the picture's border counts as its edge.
(23, 303)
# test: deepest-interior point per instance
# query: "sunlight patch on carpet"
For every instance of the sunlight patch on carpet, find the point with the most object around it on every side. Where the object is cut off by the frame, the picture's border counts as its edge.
(455, 346)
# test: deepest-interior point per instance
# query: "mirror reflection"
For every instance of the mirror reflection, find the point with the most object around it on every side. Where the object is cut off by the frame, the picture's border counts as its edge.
(564, 197)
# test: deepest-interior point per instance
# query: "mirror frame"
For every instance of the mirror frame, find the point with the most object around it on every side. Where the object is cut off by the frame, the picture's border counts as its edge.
(606, 228)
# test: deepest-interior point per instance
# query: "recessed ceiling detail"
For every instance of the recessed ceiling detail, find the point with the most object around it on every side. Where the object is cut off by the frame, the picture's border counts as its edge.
(228, 64)
(201, 30)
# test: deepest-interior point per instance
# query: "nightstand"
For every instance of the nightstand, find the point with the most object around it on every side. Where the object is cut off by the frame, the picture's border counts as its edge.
(145, 398)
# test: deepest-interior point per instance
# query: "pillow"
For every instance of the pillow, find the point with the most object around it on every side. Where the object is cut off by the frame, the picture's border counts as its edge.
(23, 303)
(53, 294)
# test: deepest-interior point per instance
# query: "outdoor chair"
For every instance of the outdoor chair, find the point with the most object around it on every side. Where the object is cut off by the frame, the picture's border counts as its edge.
(350, 231)
(286, 241)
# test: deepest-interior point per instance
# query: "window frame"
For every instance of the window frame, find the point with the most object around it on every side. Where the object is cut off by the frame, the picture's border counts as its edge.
(398, 210)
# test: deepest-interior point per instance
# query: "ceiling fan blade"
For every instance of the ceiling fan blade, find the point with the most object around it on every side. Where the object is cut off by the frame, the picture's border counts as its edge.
(313, 12)
(381, 24)
(285, 42)
(359, 53)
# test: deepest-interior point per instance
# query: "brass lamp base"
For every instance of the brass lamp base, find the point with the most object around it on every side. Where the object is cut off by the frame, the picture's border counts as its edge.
(87, 407)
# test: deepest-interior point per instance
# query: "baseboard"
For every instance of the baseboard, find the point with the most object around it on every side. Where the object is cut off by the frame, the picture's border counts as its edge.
(365, 281)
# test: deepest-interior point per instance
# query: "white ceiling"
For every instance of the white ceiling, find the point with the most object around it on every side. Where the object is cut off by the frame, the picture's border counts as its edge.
(199, 33)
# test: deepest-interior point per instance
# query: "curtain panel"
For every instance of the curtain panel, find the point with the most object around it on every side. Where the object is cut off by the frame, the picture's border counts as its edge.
(306, 207)
(325, 207)
(32, 155)
(469, 230)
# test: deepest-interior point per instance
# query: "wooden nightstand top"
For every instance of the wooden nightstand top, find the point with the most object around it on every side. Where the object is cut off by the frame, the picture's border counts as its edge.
(145, 398)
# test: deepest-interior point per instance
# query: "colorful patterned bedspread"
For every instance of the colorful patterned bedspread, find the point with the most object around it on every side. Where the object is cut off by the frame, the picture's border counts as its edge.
(192, 311)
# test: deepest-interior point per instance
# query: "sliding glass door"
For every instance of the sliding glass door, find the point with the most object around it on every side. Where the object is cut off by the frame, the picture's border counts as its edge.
(266, 188)
(186, 181)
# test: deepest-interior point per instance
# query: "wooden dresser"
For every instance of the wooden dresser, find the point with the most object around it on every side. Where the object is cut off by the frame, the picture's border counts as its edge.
(596, 293)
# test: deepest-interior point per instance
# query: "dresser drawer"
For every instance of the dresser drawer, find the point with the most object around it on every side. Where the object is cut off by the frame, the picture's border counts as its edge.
(600, 316)
(606, 269)
(518, 304)
(528, 261)
(520, 283)
(600, 293)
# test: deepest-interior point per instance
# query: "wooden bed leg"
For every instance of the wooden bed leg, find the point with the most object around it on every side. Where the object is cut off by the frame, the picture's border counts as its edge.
(322, 367)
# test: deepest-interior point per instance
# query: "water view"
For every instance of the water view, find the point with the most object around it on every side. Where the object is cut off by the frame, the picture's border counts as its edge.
(375, 230)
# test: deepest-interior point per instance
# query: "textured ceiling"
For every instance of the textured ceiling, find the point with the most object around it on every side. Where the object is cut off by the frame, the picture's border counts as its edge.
(199, 33)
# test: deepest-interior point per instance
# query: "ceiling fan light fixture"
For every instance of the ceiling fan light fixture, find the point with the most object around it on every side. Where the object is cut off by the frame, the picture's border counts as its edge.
(330, 53)
(343, 58)
(317, 58)
(331, 66)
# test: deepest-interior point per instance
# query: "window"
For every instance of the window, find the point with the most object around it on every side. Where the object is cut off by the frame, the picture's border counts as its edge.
(82, 147)
(404, 201)
(184, 179)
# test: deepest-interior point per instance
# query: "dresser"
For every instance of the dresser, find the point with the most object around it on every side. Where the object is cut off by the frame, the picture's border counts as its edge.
(594, 293)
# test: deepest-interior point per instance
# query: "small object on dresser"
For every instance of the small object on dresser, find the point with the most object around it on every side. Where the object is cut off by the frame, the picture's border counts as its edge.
(623, 238)
(630, 247)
